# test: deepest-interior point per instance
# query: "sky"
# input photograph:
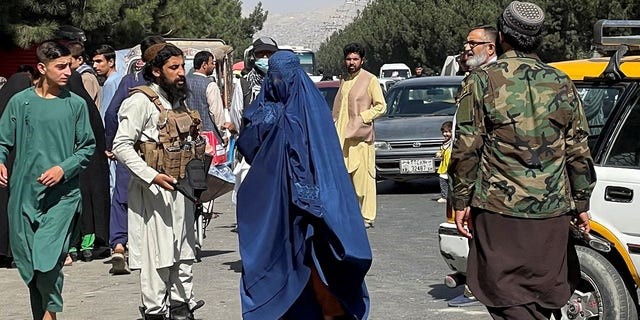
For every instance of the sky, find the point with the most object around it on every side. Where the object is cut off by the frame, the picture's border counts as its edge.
(289, 6)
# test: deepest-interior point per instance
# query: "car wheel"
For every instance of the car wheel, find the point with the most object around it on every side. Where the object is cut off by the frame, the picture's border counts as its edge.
(601, 293)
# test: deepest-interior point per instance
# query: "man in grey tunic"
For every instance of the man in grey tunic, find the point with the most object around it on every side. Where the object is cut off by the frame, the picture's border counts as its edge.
(161, 220)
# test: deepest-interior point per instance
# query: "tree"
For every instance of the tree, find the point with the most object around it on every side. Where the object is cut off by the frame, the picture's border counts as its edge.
(427, 31)
(123, 23)
(26, 22)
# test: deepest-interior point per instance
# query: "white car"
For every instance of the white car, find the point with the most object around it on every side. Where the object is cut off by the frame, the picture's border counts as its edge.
(395, 70)
(610, 279)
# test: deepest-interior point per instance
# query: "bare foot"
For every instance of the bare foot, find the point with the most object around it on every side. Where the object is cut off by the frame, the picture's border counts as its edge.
(48, 315)
(68, 261)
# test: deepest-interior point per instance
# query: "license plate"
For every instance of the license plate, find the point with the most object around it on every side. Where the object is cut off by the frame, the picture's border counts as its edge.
(416, 166)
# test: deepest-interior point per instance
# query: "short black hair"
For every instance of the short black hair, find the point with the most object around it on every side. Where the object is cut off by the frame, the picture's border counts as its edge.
(160, 59)
(26, 68)
(51, 50)
(76, 48)
(106, 50)
(148, 42)
(354, 48)
(200, 58)
(446, 126)
(518, 41)
(490, 32)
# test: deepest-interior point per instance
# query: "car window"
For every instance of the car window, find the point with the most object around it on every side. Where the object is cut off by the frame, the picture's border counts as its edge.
(329, 94)
(395, 73)
(625, 151)
(598, 103)
(422, 100)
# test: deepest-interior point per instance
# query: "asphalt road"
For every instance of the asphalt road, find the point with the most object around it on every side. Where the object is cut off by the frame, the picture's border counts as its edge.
(405, 281)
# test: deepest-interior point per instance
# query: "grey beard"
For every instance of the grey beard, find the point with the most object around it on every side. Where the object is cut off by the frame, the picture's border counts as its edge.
(477, 60)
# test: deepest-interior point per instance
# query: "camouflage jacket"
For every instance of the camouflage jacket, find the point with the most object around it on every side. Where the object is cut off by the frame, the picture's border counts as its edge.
(521, 141)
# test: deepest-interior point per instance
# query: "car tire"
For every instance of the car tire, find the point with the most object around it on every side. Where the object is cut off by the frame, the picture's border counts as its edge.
(599, 277)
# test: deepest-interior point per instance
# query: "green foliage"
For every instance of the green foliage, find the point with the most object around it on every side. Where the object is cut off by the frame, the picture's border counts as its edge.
(427, 31)
(123, 23)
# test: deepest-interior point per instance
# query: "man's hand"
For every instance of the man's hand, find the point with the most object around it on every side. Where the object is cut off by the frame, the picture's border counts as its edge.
(464, 217)
(4, 176)
(165, 181)
(51, 177)
(582, 221)
(109, 155)
(229, 126)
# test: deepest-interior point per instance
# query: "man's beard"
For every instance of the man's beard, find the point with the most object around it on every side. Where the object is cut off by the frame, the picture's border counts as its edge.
(176, 92)
(477, 60)
(350, 73)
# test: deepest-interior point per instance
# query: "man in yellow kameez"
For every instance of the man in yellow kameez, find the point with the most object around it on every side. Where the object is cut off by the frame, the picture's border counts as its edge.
(358, 102)
(50, 130)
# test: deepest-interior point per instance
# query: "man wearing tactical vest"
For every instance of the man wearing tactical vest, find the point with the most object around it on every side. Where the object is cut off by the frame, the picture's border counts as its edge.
(157, 135)
(358, 102)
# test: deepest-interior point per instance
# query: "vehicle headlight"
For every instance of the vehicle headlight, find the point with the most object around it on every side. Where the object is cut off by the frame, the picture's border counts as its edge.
(382, 145)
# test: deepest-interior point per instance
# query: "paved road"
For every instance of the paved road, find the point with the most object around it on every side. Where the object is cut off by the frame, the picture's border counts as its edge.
(405, 281)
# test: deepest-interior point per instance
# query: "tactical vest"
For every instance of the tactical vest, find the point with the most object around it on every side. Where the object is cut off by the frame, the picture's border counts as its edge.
(179, 139)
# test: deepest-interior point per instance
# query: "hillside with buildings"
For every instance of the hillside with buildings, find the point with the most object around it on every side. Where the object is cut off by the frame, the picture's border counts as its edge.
(312, 27)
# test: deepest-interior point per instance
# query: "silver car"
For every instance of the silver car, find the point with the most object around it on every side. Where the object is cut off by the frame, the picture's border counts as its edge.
(408, 135)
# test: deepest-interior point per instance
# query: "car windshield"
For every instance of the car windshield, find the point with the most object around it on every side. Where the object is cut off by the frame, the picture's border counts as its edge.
(307, 61)
(427, 100)
(395, 73)
(329, 94)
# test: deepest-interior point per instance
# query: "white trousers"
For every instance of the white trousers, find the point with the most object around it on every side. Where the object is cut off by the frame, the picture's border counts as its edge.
(165, 287)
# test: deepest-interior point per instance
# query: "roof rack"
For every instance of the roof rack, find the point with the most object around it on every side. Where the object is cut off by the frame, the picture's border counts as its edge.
(620, 44)
(600, 39)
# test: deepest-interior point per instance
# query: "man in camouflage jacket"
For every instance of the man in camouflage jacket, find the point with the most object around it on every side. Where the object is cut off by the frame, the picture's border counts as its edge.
(520, 167)
(521, 146)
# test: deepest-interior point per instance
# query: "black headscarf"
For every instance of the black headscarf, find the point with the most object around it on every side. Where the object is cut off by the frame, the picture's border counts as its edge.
(15, 84)
(94, 180)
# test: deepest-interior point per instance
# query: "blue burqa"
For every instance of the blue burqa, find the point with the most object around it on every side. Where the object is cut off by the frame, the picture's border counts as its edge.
(297, 206)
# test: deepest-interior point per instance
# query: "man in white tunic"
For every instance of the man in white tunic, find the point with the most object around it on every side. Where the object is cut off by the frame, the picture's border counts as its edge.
(161, 220)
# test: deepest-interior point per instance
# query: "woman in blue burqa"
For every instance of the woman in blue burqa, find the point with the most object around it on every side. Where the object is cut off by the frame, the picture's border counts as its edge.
(303, 245)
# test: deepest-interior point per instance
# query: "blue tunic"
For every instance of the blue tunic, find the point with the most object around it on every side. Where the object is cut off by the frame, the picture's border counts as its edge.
(297, 207)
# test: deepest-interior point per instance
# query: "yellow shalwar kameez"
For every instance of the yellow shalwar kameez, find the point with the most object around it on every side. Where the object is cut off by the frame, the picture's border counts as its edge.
(359, 155)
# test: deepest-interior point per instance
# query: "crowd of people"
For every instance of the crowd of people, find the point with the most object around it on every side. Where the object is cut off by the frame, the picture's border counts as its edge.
(92, 157)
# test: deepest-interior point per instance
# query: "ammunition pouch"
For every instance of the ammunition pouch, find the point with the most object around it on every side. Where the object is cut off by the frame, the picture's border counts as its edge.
(179, 139)
(171, 164)
(170, 160)
(148, 151)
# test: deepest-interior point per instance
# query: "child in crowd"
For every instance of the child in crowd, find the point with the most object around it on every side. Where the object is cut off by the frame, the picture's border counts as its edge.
(444, 154)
